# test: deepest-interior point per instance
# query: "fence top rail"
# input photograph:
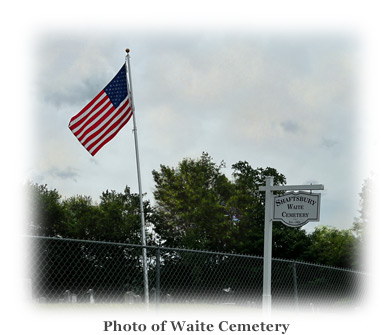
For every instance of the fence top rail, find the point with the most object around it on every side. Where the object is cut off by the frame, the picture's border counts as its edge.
(156, 247)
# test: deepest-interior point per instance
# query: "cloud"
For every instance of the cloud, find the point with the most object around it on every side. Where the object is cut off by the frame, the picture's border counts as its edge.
(290, 126)
(65, 174)
(328, 143)
(71, 71)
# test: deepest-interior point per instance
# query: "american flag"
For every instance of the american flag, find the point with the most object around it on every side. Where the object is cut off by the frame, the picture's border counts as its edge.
(100, 120)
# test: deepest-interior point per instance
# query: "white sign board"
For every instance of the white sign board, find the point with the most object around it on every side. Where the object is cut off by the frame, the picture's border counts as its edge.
(295, 209)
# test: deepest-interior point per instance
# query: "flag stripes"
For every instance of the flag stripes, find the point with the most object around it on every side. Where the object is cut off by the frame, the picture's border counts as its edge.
(96, 142)
(102, 118)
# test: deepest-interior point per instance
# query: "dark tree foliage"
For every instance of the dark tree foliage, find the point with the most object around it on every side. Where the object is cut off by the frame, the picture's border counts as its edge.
(44, 211)
(115, 218)
(196, 207)
(82, 265)
(191, 205)
(120, 216)
(360, 224)
(289, 243)
(248, 202)
(332, 247)
(81, 218)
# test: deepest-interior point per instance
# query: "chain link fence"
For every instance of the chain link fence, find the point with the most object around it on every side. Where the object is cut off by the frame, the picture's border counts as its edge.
(79, 271)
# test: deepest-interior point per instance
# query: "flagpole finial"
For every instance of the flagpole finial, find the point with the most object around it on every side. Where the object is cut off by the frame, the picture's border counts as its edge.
(127, 50)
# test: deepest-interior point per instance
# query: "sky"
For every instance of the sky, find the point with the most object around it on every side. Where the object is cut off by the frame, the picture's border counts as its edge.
(279, 99)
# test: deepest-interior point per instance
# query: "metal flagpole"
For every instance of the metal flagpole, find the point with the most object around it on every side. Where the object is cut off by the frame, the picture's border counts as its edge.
(145, 268)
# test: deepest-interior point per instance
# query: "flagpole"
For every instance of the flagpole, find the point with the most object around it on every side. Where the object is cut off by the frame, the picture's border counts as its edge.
(131, 96)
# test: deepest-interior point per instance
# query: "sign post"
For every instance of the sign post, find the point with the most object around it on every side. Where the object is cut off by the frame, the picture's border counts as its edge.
(269, 182)
(294, 209)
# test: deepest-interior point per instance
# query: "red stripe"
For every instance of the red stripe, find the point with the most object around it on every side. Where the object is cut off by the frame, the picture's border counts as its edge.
(98, 134)
(111, 136)
(108, 111)
(88, 117)
(88, 106)
(105, 110)
(108, 127)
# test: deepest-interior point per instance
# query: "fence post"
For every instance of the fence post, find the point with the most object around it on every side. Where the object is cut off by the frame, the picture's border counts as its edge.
(157, 277)
(296, 301)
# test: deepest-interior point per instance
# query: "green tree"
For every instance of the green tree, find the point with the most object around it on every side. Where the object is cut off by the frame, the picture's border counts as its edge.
(247, 204)
(198, 207)
(115, 218)
(44, 210)
(120, 219)
(81, 218)
(191, 206)
(288, 242)
(332, 247)
(360, 224)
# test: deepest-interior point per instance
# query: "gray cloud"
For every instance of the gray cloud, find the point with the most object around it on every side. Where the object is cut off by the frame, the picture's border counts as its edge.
(328, 143)
(65, 174)
(290, 126)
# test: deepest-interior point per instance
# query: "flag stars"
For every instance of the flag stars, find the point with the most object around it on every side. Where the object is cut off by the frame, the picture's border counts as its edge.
(117, 88)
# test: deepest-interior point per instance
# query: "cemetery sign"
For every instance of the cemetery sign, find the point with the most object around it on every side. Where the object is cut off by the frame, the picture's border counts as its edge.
(295, 209)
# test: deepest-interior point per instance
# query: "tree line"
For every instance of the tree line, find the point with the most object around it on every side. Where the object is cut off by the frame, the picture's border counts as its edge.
(196, 207)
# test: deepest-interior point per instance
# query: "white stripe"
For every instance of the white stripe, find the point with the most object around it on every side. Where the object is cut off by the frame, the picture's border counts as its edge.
(109, 120)
(106, 105)
(103, 113)
(100, 134)
(104, 95)
(111, 132)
